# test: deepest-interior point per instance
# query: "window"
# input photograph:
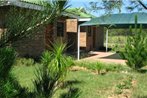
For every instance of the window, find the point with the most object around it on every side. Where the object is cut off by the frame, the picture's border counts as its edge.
(89, 31)
(83, 29)
(60, 29)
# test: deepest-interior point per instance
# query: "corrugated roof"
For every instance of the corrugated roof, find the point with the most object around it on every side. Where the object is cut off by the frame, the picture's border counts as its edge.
(36, 5)
(21, 4)
(118, 19)
(79, 12)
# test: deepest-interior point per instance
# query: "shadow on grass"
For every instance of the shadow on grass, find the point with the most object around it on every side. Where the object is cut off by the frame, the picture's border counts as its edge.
(142, 96)
(143, 71)
(72, 93)
(70, 83)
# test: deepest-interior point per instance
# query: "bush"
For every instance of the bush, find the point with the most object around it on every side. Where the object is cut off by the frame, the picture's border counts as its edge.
(136, 49)
(9, 87)
(7, 58)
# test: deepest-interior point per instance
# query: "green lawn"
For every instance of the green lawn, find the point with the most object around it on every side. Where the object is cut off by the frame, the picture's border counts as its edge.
(114, 84)
(117, 43)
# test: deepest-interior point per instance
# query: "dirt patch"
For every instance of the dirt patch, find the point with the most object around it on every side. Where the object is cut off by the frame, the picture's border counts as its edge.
(122, 90)
(77, 68)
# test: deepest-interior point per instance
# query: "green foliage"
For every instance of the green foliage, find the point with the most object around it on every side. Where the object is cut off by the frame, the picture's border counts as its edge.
(107, 5)
(53, 71)
(99, 66)
(125, 84)
(7, 58)
(97, 86)
(19, 26)
(9, 87)
(136, 49)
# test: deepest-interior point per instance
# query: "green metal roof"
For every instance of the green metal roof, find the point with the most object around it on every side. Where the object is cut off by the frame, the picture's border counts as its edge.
(80, 12)
(71, 11)
(123, 19)
(37, 5)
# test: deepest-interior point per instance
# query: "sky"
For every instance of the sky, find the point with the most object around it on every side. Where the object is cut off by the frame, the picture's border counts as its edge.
(80, 3)
(85, 4)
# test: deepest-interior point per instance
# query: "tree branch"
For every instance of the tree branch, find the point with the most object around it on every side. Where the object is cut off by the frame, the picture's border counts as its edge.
(142, 4)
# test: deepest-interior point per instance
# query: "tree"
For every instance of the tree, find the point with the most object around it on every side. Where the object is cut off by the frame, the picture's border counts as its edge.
(110, 5)
(138, 4)
(107, 5)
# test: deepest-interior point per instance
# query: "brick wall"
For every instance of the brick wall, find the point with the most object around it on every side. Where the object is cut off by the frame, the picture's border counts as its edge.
(32, 46)
(49, 31)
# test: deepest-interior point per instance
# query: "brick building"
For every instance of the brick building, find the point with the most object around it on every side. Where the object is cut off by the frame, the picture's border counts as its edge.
(65, 29)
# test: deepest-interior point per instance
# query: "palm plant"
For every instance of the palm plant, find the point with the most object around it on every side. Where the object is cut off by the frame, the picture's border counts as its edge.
(51, 75)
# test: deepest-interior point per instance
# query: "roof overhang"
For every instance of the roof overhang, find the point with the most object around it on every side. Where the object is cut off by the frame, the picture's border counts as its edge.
(123, 20)
(84, 19)
(21, 4)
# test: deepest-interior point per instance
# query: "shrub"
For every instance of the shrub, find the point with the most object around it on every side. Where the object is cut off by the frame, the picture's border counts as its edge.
(7, 58)
(136, 49)
(9, 87)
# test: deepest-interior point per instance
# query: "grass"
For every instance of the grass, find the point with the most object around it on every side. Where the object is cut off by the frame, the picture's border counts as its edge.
(104, 66)
(94, 85)
(114, 83)
(117, 43)
(25, 75)
(141, 86)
